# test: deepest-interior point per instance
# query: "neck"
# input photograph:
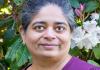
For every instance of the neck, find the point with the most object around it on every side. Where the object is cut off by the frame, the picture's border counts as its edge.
(48, 63)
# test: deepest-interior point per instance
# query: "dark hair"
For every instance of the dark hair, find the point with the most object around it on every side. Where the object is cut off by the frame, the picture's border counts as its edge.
(31, 8)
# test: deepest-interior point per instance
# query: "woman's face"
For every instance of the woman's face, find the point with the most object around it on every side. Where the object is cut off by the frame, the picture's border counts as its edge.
(48, 34)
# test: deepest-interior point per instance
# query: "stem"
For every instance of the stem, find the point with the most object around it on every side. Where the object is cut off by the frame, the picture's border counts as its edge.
(82, 18)
(89, 55)
(87, 16)
(82, 55)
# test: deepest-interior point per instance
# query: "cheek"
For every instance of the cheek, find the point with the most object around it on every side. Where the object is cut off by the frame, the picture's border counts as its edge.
(66, 42)
(31, 41)
(65, 38)
(31, 38)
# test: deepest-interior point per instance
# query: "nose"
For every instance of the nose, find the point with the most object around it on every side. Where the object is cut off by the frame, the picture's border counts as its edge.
(49, 34)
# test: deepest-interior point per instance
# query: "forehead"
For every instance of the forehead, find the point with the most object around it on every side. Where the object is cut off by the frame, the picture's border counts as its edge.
(50, 12)
(51, 9)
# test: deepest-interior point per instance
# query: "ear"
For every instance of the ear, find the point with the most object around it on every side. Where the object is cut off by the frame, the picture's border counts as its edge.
(22, 33)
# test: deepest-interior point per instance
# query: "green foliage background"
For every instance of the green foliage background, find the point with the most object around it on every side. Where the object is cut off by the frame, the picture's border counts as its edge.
(13, 54)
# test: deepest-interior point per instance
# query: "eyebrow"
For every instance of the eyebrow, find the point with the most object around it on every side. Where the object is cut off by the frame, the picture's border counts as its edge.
(39, 22)
(56, 23)
(61, 23)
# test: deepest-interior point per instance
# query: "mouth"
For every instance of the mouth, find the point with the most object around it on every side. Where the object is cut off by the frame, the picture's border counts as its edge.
(48, 46)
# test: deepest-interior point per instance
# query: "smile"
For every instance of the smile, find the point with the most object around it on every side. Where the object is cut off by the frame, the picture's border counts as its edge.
(48, 46)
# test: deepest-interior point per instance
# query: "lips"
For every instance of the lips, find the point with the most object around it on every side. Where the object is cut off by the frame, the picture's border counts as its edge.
(48, 46)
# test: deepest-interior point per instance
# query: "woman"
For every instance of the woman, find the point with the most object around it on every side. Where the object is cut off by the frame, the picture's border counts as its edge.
(46, 30)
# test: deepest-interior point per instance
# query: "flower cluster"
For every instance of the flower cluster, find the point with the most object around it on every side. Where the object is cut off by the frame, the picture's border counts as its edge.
(87, 35)
(79, 11)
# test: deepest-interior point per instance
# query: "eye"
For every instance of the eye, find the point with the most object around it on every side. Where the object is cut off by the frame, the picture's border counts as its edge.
(60, 28)
(39, 28)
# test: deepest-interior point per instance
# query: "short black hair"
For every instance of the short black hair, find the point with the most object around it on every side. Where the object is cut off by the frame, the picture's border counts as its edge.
(31, 8)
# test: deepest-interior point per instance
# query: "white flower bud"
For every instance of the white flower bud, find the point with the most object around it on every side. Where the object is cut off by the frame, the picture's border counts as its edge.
(94, 16)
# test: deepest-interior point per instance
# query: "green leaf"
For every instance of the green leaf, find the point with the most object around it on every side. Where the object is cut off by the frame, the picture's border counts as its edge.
(22, 56)
(93, 62)
(7, 21)
(9, 34)
(99, 20)
(1, 23)
(91, 6)
(18, 2)
(75, 3)
(96, 51)
(1, 2)
(17, 55)
(13, 66)
(84, 1)
(75, 51)
(11, 54)
(8, 43)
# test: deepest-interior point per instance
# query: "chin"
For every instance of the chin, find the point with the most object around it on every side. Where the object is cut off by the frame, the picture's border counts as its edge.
(50, 54)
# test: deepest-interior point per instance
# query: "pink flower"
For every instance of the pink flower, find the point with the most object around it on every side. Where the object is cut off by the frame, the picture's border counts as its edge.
(82, 7)
(78, 12)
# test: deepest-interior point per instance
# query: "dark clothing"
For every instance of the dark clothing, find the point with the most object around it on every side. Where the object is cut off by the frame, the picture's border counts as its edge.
(76, 64)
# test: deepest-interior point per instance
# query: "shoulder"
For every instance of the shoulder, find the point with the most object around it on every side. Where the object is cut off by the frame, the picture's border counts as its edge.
(85, 65)
(77, 64)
